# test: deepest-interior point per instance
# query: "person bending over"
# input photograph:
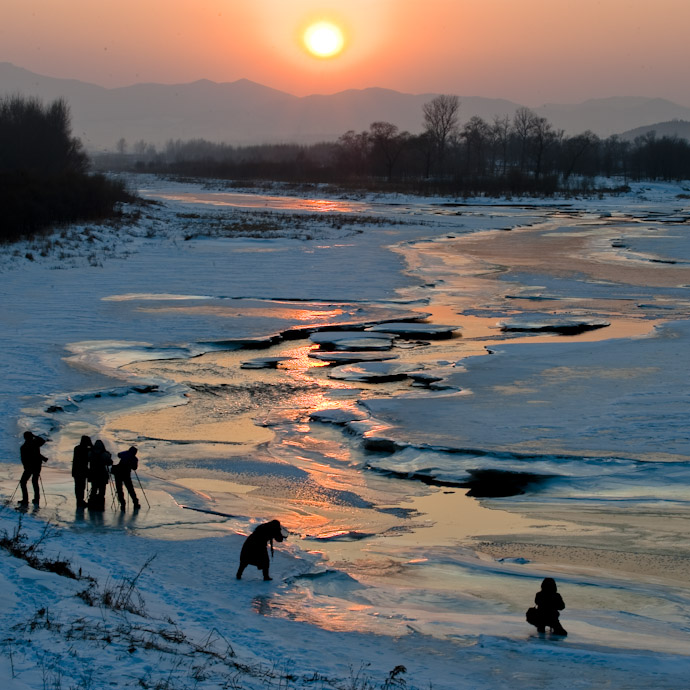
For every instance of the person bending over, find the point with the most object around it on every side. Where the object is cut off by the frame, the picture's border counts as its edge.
(255, 548)
(123, 475)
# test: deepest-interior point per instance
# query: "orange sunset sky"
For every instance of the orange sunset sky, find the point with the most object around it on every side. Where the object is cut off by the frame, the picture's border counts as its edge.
(530, 51)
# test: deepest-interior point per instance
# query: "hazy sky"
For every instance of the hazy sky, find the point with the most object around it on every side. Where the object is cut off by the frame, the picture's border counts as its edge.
(530, 51)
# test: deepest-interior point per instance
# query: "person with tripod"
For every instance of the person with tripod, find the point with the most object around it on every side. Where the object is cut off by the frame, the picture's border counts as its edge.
(123, 475)
(80, 469)
(100, 461)
(32, 461)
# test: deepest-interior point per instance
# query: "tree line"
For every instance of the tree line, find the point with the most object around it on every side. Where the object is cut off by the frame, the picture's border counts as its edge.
(44, 178)
(522, 154)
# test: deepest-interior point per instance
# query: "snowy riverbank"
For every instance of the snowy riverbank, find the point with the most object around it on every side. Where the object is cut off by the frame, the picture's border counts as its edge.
(143, 339)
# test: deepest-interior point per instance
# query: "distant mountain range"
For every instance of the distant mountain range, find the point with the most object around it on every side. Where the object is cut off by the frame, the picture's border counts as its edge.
(244, 112)
(673, 128)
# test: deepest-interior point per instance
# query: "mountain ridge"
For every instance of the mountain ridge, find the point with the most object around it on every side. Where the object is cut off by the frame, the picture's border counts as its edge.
(244, 112)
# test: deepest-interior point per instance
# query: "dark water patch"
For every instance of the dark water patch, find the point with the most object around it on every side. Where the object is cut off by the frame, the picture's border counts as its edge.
(482, 483)
(405, 513)
(501, 483)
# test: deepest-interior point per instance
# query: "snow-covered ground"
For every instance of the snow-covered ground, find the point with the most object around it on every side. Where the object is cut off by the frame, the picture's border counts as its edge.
(184, 330)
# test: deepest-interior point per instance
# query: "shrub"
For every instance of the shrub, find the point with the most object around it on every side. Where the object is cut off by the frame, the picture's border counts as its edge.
(43, 171)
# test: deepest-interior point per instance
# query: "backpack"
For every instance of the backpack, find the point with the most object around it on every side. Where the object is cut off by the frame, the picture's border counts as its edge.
(533, 617)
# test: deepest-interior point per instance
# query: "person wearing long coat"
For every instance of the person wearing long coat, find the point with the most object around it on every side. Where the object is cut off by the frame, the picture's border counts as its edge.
(255, 548)
(100, 461)
(80, 469)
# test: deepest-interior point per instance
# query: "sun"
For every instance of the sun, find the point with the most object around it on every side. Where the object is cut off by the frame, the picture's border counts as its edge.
(324, 39)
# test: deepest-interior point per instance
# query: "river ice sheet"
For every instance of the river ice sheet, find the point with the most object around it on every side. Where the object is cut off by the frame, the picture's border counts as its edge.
(102, 344)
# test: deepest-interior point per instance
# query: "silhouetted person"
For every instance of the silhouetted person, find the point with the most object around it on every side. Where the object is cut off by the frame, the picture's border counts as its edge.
(255, 551)
(123, 475)
(32, 461)
(100, 461)
(80, 469)
(549, 602)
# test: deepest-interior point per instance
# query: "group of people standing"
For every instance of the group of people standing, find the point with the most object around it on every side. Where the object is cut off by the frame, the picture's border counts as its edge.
(92, 463)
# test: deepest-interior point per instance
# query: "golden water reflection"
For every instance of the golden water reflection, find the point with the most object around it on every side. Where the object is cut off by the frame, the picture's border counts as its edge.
(254, 201)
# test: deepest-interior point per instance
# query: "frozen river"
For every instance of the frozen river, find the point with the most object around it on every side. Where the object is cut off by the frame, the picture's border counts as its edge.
(354, 377)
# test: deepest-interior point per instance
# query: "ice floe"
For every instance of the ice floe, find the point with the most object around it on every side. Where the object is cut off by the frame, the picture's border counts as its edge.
(264, 362)
(352, 340)
(352, 356)
(373, 372)
(555, 323)
(414, 330)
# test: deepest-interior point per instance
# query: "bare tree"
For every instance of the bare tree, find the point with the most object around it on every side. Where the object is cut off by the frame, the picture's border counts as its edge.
(387, 142)
(441, 123)
(544, 136)
(476, 134)
(353, 151)
(523, 124)
(575, 150)
(500, 135)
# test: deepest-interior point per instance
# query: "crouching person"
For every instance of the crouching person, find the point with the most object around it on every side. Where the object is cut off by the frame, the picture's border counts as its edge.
(255, 548)
(123, 476)
(547, 612)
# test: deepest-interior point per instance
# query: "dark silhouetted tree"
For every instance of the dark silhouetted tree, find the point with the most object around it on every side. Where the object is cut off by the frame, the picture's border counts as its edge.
(523, 125)
(37, 138)
(441, 124)
(43, 178)
(387, 143)
(353, 153)
(577, 151)
(476, 134)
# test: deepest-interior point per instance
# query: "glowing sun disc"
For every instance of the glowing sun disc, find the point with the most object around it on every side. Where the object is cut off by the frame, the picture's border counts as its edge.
(324, 39)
